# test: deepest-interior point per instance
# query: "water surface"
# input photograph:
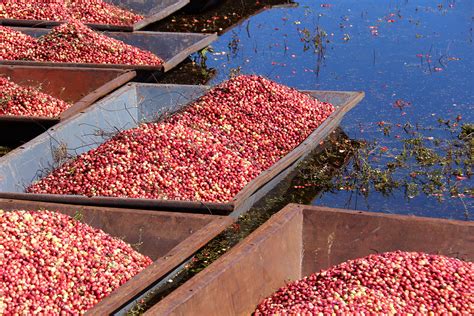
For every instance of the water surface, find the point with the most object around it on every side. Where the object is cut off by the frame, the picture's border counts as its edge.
(413, 59)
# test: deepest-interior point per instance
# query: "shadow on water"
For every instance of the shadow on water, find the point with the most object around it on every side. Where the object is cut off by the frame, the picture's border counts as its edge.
(192, 71)
(218, 19)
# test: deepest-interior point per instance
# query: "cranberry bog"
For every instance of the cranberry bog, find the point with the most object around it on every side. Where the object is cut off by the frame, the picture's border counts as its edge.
(126, 108)
(171, 47)
(309, 239)
(151, 11)
(169, 239)
(78, 86)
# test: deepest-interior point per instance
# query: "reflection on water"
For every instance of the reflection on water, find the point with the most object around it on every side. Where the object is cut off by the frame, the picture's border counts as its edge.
(412, 58)
(191, 71)
(218, 19)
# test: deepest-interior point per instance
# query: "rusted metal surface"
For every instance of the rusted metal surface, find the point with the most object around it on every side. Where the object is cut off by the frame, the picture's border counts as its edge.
(173, 48)
(151, 10)
(125, 109)
(300, 240)
(333, 236)
(79, 86)
(168, 238)
(146, 204)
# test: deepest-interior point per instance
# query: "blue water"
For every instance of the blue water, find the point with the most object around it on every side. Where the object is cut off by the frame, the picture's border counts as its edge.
(379, 47)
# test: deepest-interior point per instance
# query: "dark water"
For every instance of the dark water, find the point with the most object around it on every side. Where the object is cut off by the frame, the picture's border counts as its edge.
(420, 52)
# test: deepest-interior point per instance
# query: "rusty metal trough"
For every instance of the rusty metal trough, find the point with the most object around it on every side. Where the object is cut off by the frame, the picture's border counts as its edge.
(169, 239)
(300, 240)
(79, 86)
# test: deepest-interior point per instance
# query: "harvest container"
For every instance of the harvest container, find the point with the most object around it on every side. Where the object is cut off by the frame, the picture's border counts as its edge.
(169, 239)
(152, 10)
(173, 48)
(79, 86)
(125, 109)
(300, 240)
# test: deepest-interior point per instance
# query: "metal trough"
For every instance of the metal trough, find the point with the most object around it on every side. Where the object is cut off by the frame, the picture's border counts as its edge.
(173, 48)
(125, 109)
(300, 240)
(152, 10)
(169, 239)
(79, 86)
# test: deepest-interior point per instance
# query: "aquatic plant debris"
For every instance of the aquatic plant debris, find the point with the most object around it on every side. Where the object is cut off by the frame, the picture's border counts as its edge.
(437, 168)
